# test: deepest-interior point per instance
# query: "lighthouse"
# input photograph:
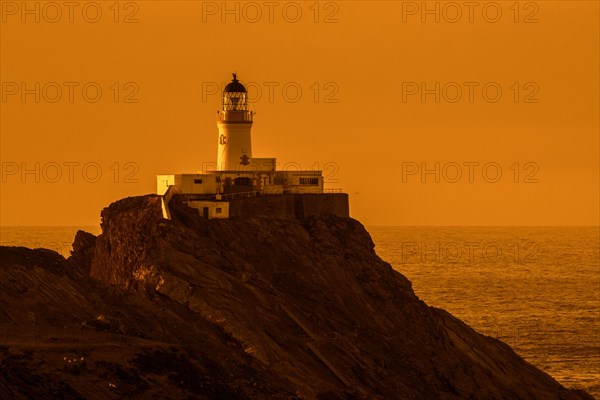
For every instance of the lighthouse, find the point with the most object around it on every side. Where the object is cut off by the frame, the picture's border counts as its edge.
(250, 185)
(234, 121)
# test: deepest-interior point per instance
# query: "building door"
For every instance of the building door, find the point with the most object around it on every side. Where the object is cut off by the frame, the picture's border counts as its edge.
(205, 212)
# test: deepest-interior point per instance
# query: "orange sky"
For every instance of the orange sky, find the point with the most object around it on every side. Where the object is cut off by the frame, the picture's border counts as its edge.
(366, 58)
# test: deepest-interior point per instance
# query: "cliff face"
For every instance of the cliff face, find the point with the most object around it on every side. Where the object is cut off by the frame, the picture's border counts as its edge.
(65, 336)
(258, 308)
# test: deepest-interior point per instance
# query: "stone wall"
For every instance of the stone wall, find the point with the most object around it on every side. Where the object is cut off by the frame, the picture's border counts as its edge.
(322, 204)
(291, 206)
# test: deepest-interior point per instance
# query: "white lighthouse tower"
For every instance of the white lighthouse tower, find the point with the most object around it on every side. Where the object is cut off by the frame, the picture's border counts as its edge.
(235, 123)
(240, 175)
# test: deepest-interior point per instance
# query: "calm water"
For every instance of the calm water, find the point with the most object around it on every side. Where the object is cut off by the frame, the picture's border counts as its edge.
(57, 238)
(538, 289)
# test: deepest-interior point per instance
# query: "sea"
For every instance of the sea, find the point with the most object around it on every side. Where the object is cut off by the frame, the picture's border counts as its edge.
(535, 288)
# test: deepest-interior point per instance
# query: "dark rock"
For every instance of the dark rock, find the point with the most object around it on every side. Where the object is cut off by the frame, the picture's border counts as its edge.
(65, 336)
(256, 308)
(83, 250)
(49, 260)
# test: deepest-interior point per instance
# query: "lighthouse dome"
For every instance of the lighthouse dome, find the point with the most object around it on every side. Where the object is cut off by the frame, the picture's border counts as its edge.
(235, 86)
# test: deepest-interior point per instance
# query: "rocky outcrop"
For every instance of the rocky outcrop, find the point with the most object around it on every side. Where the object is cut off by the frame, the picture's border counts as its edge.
(255, 308)
(83, 251)
(64, 335)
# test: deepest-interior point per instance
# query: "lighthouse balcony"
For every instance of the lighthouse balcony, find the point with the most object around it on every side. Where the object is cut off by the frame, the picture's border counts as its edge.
(235, 116)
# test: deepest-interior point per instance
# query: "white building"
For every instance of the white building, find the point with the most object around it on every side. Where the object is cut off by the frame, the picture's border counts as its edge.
(238, 173)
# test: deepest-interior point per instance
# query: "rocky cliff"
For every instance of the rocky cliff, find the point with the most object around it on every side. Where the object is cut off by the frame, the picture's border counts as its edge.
(242, 308)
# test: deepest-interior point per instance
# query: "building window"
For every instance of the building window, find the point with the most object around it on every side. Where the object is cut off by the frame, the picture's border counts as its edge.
(309, 181)
(198, 181)
(218, 210)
